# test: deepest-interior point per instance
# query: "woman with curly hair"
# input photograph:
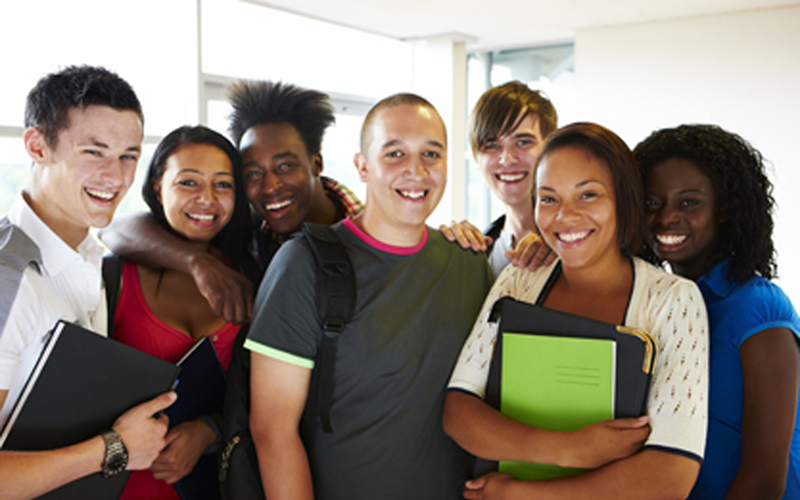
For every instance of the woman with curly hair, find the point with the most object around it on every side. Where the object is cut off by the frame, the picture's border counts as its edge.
(709, 215)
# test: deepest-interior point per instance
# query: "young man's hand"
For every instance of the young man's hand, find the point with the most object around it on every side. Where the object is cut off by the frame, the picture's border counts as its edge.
(466, 235)
(229, 293)
(531, 252)
(142, 432)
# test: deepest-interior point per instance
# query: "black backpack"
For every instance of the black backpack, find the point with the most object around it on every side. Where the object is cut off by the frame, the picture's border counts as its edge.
(239, 474)
(494, 230)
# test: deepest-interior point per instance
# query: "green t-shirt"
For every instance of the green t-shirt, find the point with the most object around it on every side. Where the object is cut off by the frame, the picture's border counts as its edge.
(414, 309)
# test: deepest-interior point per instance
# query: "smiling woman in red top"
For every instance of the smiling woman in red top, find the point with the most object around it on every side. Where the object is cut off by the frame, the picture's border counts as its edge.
(193, 189)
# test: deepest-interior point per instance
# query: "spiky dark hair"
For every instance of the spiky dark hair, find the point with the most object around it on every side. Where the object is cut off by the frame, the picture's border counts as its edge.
(257, 102)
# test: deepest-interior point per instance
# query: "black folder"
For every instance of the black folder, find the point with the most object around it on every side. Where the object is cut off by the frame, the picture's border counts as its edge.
(635, 354)
(201, 390)
(81, 383)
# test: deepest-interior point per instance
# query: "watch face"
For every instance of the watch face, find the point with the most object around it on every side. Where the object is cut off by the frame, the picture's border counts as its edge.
(118, 462)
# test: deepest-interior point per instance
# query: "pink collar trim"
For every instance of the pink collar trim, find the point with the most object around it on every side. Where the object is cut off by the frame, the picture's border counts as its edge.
(383, 247)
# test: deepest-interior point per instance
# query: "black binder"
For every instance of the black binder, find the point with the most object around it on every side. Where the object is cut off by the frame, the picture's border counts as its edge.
(201, 390)
(79, 386)
(636, 351)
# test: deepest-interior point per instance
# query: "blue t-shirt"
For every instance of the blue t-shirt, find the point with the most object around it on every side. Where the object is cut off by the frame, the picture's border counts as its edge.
(736, 312)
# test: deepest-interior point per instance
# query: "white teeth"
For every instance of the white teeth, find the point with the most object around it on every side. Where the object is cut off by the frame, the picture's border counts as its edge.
(278, 205)
(670, 239)
(201, 217)
(103, 195)
(414, 195)
(510, 177)
(573, 236)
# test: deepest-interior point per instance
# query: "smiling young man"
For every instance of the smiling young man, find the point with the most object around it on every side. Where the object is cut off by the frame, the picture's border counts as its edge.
(278, 128)
(508, 126)
(84, 134)
(416, 296)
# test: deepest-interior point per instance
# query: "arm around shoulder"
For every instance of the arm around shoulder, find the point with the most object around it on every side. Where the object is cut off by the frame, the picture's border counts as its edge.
(140, 238)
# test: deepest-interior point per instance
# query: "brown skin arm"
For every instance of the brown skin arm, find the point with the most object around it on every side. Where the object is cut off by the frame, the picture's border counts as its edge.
(25, 475)
(485, 432)
(648, 475)
(531, 252)
(278, 392)
(770, 371)
(141, 239)
(185, 444)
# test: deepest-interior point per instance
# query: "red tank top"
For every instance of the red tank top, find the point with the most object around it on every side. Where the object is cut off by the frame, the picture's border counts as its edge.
(136, 325)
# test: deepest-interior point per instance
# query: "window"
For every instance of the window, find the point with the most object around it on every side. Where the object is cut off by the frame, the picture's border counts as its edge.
(151, 45)
(549, 69)
(179, 68)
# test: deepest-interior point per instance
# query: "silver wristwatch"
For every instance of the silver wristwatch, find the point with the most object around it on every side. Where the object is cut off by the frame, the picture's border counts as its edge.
(116, 458)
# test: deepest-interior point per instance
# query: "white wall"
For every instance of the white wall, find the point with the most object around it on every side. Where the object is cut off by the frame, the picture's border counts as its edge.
(740, 71)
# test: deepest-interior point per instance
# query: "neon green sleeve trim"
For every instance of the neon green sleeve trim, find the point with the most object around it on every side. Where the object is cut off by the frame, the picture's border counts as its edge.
(280, 355)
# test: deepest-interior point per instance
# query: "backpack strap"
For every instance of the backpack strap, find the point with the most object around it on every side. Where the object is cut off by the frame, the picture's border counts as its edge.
(494, 230)
(112, 278)
(336, 297)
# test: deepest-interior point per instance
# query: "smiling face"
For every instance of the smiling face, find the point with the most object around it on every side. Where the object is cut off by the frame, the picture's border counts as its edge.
(576, 208)
(197, 191)
(279, 175)
(405, 168)
(80, 181)
(507, 162)
(681, 217)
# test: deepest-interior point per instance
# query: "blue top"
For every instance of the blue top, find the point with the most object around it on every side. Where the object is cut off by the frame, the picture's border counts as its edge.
(736, 312)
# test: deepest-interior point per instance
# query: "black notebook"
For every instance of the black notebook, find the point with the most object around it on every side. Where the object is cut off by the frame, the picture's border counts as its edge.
(627, 356)
(201, 390)
(81, 383)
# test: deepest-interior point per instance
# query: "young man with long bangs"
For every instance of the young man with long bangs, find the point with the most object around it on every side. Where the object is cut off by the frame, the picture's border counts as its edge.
(507, 129)
(84, 135)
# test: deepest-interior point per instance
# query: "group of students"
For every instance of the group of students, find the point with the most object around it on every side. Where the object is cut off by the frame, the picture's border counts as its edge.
(582, 210)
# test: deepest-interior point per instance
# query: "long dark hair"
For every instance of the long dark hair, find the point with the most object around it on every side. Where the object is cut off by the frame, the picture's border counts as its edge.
(234, 239)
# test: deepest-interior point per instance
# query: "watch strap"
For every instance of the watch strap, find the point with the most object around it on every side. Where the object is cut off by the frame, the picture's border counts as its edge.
(116, 456)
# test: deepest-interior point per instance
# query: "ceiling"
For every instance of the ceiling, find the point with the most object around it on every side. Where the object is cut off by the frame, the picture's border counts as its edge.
(496, 24)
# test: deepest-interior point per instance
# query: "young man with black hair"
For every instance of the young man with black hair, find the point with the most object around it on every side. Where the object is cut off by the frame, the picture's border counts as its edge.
(278, 128)
(83, 134)
(416, 295)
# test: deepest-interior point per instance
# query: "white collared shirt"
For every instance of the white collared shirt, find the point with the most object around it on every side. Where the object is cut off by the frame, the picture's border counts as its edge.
(65, 285)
